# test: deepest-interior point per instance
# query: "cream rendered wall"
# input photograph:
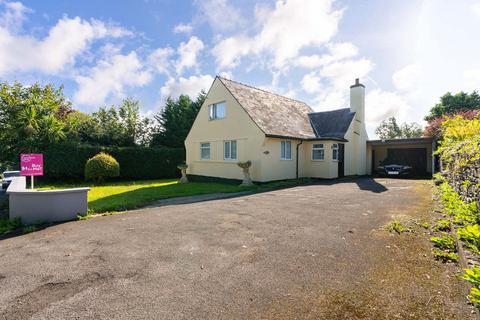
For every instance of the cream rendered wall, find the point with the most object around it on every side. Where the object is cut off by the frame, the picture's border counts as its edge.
(356, 149)
(236, 125)
(325, 169)
(272, 166)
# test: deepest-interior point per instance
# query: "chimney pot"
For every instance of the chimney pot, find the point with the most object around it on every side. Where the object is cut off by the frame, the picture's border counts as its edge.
(357, 81)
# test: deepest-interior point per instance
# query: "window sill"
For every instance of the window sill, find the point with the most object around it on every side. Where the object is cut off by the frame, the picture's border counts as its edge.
(286, 159)
(318, 160)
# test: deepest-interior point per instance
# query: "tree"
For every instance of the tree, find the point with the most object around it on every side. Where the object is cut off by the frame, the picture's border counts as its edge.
(434, 126)
(451, 104)
(29, 118)
(389, 129)
(111, 126)
(175, 120)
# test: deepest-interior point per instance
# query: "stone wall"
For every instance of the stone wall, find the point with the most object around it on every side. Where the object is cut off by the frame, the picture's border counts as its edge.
(465, 180)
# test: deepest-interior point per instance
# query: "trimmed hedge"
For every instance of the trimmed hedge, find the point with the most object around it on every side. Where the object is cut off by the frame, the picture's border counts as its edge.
(68, 161)
(101, 166)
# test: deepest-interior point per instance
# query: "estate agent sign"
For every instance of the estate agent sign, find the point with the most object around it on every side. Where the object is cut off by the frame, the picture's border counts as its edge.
(31, 164)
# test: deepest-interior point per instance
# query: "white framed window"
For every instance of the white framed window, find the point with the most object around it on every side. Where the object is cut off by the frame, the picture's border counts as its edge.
(286, 150)
(216, 111)
(335, 151)
(318, 152)
(205, 151)
(230, 150)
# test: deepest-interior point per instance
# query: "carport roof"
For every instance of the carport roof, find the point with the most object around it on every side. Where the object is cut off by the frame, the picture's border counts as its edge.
(422, 140)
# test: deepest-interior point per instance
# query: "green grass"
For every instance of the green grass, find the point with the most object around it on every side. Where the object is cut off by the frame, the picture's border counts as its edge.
(127, 195)
(119, 196)
(7, 225)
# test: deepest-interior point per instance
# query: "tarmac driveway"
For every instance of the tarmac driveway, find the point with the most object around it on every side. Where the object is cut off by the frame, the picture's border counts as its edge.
(310, 252)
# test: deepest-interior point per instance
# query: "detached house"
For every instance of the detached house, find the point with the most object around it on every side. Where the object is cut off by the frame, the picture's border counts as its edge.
(282, 137)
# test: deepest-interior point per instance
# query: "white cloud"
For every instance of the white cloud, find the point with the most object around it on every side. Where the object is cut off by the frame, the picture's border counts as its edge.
(407, 78)
(190, 86)
(183, 28)
(14, 15)
(381, 105)
(338, 51)
(188, 52)
(220, 15)
(476, 8)
(291, 26)
(311, 83)
(110, 78)
(160, 60)
(64, 43)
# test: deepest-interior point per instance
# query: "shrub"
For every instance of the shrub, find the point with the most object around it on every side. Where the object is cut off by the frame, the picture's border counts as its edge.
(442, 225)
(101, 166)
(470, 235)
(445, 242)
(473, 276)
(396, 226)
(444, 256)
(463, 213)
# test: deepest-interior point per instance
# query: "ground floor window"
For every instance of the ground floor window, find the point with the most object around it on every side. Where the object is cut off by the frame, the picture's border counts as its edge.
(335, 151)
(286, 150)
(230, 150)
(205, 151)
(318, 153)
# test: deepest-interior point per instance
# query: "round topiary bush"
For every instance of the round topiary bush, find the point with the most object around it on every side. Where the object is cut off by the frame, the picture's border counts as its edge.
(101, 166)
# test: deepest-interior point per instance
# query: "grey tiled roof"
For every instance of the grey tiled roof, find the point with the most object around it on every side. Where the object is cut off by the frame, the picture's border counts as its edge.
(331, 124)
(280, 116)
(275, 115)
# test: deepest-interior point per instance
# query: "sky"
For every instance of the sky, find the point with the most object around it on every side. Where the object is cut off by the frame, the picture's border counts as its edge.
(406, 52)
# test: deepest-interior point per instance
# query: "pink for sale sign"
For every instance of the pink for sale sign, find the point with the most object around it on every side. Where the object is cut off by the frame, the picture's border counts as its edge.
(31, 164)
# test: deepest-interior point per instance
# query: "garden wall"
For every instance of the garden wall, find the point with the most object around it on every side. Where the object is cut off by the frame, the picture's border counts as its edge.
(465, 180)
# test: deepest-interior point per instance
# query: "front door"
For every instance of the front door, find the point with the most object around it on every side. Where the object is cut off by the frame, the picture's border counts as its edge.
(341, 162)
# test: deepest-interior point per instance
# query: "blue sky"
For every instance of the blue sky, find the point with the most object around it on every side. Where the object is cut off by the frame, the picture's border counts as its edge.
(407, 53)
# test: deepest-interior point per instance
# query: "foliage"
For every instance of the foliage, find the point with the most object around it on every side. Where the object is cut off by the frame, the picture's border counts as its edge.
(7, 225)
(470, 235)
(31, 117)
(442, 225)
(389, 129)
(445, 242)
(473, 276)
(29, 229)
(451, 104)
(434, 126)
(122, 126)
(101, 166)
(463, 213)
(175, 120)
(119, 196)
(396, 226)
(67, 161)
(444, 256)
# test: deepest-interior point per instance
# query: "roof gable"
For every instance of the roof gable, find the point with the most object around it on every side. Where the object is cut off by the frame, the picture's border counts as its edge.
(331, 124)
(275, 115)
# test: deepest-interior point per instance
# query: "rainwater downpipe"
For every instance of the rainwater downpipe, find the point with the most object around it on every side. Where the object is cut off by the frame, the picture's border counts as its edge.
(296, 159)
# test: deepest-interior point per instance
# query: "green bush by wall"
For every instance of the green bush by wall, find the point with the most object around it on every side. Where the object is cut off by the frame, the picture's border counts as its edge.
(68, 161)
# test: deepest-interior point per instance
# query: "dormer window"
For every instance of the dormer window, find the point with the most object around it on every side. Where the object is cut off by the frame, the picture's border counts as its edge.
(216, 111)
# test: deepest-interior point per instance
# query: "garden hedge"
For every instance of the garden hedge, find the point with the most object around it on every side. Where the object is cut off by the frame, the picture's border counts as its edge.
(68, 161)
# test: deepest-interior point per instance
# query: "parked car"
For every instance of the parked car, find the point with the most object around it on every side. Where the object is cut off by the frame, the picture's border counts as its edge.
(393, 169)
(8, 177)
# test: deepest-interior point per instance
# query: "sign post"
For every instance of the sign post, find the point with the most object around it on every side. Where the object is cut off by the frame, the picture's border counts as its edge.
(31, 164)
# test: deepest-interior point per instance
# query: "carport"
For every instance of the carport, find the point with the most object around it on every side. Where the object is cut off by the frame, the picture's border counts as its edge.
(415, 152)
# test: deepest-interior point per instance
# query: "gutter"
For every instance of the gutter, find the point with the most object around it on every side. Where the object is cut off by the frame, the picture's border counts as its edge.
(296, 169)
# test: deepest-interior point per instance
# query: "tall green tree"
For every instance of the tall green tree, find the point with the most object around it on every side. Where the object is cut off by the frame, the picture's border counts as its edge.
(121, 126)
(29, 118)
(451, 104)
(175, 120)
(390, 129)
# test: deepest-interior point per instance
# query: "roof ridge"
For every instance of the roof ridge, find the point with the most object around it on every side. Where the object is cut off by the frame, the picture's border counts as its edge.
(335, 110)
(276, 94)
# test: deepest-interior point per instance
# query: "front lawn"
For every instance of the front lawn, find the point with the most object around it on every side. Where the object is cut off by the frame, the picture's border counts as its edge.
(119, 196)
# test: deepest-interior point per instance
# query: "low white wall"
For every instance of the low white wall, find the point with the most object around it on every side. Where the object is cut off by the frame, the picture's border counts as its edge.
(34, 206)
